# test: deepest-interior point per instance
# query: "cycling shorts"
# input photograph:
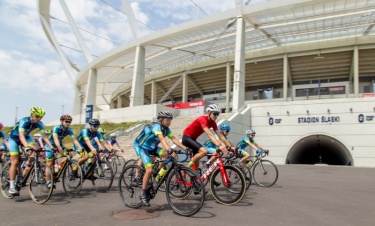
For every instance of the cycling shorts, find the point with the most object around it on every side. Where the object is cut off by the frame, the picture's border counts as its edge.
(241, 153)
(14, 145)
(191, 143)
(145, 155)
(49, 153)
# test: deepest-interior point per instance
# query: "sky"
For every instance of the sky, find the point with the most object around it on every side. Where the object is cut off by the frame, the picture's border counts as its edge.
(30, 70)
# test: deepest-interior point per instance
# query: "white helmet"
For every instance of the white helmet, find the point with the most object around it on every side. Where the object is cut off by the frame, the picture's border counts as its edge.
(250, 131)
(213, 108)
(113, 135)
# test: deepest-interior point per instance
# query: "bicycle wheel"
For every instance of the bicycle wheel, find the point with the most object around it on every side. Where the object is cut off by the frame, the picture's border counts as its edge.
(234, 192)
(120, 161)
(190, 183)
(130, 162)
(38, 190)
(265, 173)
(130, 186)
(72, 182)
(102, 177)
(112, 161)
(246, 172)
(5, 181)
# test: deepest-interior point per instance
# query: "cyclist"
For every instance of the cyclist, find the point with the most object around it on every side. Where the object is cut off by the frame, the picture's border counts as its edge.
(59, 132)
(85, 138)
(112, 141)
(96, 143)
(211, 146)
(5, 145)
(36, 138)
(148, 144)
(197, 127)
(40, 141)
(20, 135)
(247, 141)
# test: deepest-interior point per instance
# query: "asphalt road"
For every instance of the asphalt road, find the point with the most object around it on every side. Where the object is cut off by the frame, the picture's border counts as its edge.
(303, 195)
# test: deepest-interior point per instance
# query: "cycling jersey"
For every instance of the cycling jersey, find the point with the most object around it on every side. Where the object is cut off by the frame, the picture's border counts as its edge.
(112, 142)
(151, 140)
(27, 126)
(195, 129)
(86, 134)
(243, 143)
(61, 133)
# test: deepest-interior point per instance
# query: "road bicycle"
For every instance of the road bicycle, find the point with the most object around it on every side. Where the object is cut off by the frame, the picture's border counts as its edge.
(34, 178)
(184, 187)
(264, 172)
(117, 162)
(99, 172)
(227, 182)
(72, 182)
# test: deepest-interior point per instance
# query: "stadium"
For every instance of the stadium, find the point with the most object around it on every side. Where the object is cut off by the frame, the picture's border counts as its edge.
(299, 72)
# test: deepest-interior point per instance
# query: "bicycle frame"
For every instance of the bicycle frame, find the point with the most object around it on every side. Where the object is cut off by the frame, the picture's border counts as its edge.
(218, 163)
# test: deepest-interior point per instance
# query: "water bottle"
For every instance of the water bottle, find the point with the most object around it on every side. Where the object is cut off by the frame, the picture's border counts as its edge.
(56, 167)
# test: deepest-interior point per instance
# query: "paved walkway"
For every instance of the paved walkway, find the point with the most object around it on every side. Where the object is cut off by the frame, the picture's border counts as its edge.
(303, 195)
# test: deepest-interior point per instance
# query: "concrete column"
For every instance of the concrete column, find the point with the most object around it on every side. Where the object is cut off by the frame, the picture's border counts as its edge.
(137, 93)
(119, 101)
(285, 77)
(185, 88)
(91, 88)
(228, 85)
(356, 71)
(153, 92)
(239, 67)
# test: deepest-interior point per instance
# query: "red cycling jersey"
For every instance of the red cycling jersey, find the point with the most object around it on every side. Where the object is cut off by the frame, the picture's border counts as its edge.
(195, 129)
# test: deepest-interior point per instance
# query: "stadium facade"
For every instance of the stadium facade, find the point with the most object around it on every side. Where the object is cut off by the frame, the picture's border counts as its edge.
(301, 73)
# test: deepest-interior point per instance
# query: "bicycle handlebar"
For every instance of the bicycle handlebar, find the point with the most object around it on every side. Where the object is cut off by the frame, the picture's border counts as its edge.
(170, 151)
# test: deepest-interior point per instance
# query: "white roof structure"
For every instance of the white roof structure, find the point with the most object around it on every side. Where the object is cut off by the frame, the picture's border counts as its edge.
(272, 28)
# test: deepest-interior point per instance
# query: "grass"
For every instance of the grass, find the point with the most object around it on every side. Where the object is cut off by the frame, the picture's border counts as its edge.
(68, 142)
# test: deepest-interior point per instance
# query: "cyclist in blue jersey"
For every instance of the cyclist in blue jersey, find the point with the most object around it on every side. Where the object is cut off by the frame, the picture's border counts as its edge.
(148, 144)
(212, 147)
(85, 138)
(5, 145)
(247, 141)
(59, 132)
(20, 135)
(113, 141)
(96, 143)
(40, 141)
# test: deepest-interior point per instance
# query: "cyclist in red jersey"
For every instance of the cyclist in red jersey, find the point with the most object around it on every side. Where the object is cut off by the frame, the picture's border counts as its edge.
(197, 127)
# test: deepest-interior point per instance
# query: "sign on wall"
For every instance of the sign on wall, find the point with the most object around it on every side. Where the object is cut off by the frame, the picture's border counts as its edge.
(89, 111)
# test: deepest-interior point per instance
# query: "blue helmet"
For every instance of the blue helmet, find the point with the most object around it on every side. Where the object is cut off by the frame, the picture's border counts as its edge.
(225, 126)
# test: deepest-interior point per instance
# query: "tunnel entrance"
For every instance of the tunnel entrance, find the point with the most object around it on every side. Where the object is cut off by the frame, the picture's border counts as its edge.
(319, 149)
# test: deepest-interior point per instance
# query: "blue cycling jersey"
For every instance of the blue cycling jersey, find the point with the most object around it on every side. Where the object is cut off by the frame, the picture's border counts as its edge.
(210, 144)
(2, 135)
(244, 142)
(61, 133)
(87, 134)
(27, 126)
(150, 140)
(112, 142)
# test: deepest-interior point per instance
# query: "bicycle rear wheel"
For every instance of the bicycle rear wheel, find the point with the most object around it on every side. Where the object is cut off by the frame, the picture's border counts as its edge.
(72, 182)
(265, 173)
(5, 181)
(120, 161)
(38, 190)
(234, 192)
(102, 178)
(130, 186)
(130, 162)
(191, 194)
(112, 161)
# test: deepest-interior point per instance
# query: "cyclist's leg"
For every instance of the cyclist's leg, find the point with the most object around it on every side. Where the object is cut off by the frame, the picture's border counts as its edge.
(198, 150)
(211, 151)
(14, 157)
(145, 156)
(50, 161)
(244, 156)
(30, 161)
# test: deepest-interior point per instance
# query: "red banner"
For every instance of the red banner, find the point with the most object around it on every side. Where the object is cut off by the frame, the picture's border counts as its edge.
(368, 94)
(192, 104)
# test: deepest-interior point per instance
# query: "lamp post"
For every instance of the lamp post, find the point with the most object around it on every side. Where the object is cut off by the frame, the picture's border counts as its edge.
(80, 111)
(15, 119)
(62, 109)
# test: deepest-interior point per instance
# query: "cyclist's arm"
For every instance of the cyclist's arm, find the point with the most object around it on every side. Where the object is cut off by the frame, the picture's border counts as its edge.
(163, 142)
(223, 139)
(46, 139)
(259, 146)
(217, 142)
(252, 145)
(107, 145)
(75, 141)
(88, 143)
(21, 135)
(57, 142)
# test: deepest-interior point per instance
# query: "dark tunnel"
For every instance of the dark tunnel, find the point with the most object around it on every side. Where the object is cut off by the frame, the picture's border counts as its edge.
(319, 149)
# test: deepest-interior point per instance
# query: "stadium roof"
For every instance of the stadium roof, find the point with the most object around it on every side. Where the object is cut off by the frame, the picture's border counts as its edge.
(269, 25)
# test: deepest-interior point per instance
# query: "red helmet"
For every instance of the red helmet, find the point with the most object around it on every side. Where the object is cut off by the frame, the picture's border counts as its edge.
(1, 125)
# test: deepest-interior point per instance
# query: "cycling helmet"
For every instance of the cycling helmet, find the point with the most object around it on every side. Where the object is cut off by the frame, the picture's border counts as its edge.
(165, 114)
(66, 117)
(37, 135)
(37, 111)
(113, 135)
(154, 120)
(47, 131)
(94, 121)
(213, 108)
(1, 125)
(101, 130)
(225, 127)
(250, 131)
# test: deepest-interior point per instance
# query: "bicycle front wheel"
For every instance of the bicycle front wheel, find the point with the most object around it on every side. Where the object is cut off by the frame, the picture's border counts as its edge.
(120, 161)
(231, 193)
(191, 194)
(130, 186)
(38, 190)
(102, 178)
(5, 181)
(72, 180)
(265, 173)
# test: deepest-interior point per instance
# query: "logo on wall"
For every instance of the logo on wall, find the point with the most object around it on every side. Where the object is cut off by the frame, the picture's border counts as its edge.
(361, 118)
(270, 121)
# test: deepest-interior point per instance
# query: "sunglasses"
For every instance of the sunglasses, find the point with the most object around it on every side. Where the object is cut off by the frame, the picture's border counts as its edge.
(95, 126)
(68, 121)
(216, 113)
(253, 135)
